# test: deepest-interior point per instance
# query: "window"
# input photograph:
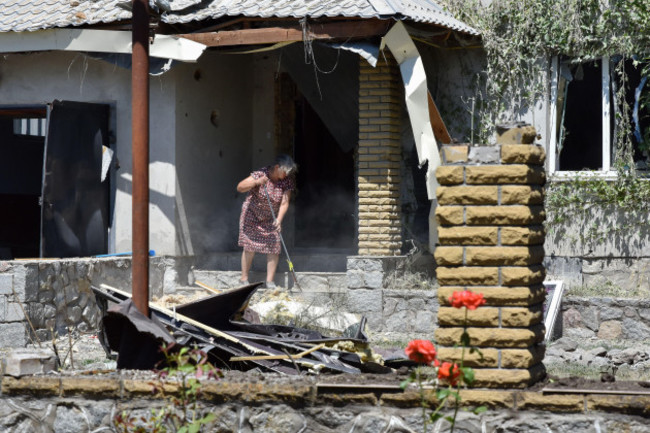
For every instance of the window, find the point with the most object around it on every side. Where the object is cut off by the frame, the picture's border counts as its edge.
(583, 113)
(35, 127)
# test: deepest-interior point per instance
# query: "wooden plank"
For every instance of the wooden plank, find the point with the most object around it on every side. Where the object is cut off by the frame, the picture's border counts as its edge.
(272, 35)
(277, 357)
(206, 287)
(439, 128)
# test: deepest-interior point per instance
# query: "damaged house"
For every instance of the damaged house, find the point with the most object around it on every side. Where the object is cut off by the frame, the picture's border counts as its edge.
(348, 89)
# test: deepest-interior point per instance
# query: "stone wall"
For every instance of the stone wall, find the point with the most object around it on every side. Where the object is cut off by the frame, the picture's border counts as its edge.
(490, 214)
(55, 295)
(75, 404)
(38, 297)
(605, 319)
(379, 155)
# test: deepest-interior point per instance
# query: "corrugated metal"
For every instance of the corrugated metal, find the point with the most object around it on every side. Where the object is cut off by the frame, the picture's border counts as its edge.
(26, 15)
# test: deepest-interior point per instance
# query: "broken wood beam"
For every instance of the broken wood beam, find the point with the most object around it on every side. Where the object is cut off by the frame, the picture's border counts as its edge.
(272, 35)
(437, 124)
(276, 357)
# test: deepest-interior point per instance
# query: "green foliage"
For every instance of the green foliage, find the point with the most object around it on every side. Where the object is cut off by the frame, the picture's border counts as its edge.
(521, 36)
(581, 198)
(185, 368)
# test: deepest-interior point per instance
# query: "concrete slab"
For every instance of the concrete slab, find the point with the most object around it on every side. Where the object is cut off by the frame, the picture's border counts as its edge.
(23, 361)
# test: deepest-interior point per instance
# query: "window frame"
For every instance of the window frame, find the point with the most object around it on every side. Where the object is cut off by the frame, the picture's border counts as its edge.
(606, 143)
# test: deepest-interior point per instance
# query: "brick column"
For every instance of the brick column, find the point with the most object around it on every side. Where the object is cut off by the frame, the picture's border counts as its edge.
(490, 214)
(380, 100)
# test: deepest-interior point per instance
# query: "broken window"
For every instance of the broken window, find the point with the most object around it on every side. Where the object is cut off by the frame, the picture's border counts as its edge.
(584, 113)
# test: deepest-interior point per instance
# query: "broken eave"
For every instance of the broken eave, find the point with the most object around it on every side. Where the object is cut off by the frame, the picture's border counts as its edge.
(328, 31)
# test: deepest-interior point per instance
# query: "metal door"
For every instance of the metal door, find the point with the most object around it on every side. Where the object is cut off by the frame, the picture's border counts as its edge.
(74, 220)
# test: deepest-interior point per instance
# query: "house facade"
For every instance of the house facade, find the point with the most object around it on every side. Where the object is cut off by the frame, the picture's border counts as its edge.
(346, 90)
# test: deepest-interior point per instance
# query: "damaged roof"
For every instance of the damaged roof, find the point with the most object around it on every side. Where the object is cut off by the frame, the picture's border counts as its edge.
(30, 15)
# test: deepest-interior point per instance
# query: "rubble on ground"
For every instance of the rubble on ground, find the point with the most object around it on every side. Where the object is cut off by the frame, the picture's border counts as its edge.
(237, 336)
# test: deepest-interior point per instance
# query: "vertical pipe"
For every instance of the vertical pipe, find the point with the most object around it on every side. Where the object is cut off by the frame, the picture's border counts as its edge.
(140, 154)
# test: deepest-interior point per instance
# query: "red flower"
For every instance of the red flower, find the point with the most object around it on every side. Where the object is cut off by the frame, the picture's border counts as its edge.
(466, 299)
(421, 351)
(450, 372)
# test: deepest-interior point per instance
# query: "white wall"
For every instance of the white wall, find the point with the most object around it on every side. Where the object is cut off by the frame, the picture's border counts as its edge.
(40, 78)
(214, 149)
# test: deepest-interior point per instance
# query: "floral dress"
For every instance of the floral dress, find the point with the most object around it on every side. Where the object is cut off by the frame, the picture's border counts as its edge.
(256, 231)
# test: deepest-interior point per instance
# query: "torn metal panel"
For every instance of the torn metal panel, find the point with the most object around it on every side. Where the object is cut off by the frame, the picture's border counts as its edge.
(127, 328)
(416, 93)
(100, 41)
(218, 310)
(285, 350)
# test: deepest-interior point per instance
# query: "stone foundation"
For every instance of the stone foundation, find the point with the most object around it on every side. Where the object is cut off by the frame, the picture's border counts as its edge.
(66, 404)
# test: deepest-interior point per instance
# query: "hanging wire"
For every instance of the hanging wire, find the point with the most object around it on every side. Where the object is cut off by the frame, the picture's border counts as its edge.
(310, 58)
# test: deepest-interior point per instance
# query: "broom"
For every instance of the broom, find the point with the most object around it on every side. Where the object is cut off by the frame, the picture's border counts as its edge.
(293, 274)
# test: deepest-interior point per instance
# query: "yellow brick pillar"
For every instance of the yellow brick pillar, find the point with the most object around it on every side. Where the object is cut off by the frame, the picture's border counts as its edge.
(491, 238)
(380, 103)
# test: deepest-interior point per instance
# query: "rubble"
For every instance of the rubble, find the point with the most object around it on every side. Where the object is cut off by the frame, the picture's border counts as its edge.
(234, 337)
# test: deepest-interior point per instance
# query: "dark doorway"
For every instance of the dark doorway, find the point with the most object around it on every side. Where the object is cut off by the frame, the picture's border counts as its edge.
(325, 200)
(54, 200)
(22, 137)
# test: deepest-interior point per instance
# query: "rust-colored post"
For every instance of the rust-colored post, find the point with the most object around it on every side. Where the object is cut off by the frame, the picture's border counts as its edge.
(140, 154)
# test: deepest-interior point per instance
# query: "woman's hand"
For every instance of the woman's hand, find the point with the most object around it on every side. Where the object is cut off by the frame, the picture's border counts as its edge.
(277, 224)
(250, 182)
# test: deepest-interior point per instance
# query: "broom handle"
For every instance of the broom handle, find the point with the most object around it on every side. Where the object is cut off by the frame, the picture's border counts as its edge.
(293, 274)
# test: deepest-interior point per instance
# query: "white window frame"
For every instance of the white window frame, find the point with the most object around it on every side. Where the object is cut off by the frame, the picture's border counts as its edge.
(553, 157)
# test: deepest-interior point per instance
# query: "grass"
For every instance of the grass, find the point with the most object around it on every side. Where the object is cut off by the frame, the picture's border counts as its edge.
(608, 289)
(591, 372)
(410, 281)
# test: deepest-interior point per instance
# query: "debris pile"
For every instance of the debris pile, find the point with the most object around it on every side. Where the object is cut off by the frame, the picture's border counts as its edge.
(237, 337)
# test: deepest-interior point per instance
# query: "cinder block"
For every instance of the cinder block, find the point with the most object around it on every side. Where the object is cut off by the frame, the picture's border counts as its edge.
(511, 296)
(451, 195)
(504, 215)
(13, 334)
(484, 155)
(505, 174)
(6, 284)
(21, 362)
(450, 175)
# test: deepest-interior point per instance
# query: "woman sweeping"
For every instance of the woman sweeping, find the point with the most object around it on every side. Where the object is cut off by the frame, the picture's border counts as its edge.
(258, 231)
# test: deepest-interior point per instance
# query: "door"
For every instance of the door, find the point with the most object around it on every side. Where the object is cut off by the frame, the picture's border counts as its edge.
(74, 219)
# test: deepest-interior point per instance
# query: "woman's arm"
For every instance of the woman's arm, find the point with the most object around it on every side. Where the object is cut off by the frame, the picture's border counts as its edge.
(250, 182)
(284, 206)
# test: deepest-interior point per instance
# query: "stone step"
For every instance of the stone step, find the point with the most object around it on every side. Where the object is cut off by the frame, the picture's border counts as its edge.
(302, 261)
(308, 281)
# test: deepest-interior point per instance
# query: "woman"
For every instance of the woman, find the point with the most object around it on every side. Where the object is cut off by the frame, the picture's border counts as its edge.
(259, 232)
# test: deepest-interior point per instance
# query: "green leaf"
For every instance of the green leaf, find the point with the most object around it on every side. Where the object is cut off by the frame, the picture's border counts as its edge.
(468, 375)
(464, 339)
(443, 393)
(479, 410)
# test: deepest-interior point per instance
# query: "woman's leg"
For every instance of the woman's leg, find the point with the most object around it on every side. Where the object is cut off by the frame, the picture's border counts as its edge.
(271, 265)
(246, 263)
